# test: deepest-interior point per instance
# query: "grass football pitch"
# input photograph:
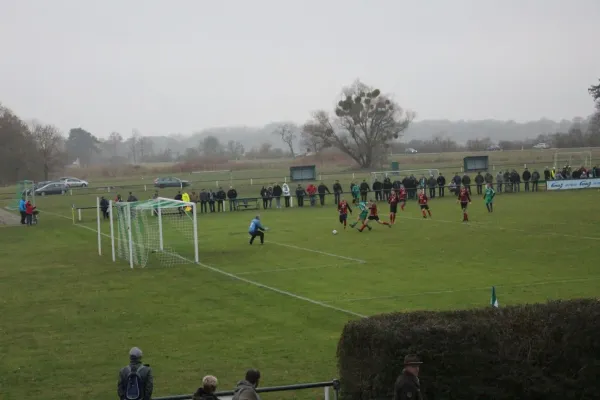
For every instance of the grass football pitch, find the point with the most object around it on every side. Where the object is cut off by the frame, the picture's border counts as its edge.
(69, 316)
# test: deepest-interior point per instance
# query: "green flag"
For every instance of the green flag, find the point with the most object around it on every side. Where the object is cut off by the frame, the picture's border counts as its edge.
(494, 299)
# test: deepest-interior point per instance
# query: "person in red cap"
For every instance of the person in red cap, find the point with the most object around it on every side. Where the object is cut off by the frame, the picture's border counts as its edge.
(407, 385)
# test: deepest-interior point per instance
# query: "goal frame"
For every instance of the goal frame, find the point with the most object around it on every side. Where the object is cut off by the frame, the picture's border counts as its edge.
(585, 155)
(407, 172)
(147, 206)
(21, 190)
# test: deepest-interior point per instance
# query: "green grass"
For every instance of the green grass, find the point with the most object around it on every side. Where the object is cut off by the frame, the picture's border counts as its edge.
(69, 316)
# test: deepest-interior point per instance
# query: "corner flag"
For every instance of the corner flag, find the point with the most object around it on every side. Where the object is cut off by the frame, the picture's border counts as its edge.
(494, 299)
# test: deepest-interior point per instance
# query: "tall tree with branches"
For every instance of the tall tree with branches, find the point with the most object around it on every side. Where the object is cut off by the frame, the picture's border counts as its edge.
(364, 124)
(50, 144)
(287, 132)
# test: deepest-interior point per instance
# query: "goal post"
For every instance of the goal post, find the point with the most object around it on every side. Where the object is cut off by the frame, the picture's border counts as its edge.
(158, 232)
(401, 174)
(573, 159)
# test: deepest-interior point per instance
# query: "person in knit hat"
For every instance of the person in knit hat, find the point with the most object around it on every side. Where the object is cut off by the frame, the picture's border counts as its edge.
(135, 380)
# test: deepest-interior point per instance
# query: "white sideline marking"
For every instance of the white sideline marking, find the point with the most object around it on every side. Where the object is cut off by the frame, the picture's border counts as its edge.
(291, 246)
(239, 278)
(395, 296)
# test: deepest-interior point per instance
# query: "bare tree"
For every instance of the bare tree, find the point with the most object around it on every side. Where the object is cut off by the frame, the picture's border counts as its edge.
(287, 132)
(146, 147)
(133, 144)
(365, 122)
(115, 140)
(50, 146)
(235, 149)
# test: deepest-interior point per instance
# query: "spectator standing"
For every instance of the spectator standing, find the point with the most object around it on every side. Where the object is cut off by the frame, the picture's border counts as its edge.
(457, 180)
(211, 200)
(300, 193)
(286, 194)
(322, 189)
(277, 191)
(246, 389)
(104, 207)
(507, 181)
(387, 188)
(131, 198)
(232, 196)
(203, 201)
(118, 199)
(194, 197)
(23, 210)
(337, 192)
(479, 182)
(441, 181)
(355, 190)
(208, 389)
(431, 184)
(535, 178)
(29, 210)
(135, 380)
(489, 179)
(408, 386)
(270, 195)
(499, 181)
(377, 188)
(466, 181)
(364, 190)
(312, 194)
(547, 174)
(265, 198)
(221, 197)
(515, 179)
(526, 179)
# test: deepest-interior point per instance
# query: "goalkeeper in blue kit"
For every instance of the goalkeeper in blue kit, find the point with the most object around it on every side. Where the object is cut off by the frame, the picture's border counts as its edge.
(257, 229)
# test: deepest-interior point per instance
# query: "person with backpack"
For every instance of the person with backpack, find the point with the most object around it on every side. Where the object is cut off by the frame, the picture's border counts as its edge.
(246, 389)
(135, 380)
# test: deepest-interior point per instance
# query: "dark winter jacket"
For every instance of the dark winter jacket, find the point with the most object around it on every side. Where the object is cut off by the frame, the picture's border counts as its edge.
(377, 186)
(526, 176)
(263, 192)
(277, 191)
(489, 178)
(104, 204)
(387, 184)
(322, 189)
(466, 179)
(145, 373)
(432, 182)
(457, 180)
(364, 187)
(245, 391)
(479, 179)
(211, 197)
(337, 188)
(221, 195)
(547, 174)
(203, 395)
(232, 194)
(203, 196)
(441, 180)
(300, 192)
(535, 176)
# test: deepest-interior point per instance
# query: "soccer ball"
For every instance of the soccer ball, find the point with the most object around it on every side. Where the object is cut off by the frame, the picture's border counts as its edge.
(334, 232)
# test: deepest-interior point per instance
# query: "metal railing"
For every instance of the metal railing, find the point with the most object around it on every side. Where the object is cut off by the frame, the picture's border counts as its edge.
(335, 384)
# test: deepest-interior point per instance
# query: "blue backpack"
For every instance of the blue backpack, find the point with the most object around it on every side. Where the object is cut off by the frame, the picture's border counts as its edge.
(135, 385)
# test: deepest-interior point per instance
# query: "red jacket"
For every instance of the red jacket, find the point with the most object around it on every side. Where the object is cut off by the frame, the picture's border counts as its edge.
(29, 208)
(311, 189)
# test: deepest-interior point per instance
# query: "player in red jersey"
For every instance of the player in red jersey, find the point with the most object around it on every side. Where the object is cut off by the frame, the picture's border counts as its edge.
(465, 200)
(393, 201)
(423, 200)
(374, 216)
(343, 208)
(402, 197)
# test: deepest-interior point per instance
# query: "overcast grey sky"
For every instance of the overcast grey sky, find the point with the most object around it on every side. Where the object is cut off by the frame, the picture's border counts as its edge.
(180, 66)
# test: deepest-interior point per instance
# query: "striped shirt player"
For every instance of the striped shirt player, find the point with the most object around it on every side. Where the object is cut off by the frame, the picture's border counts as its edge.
(464, 199)
(343, 208)
(374, 215)
(424, 203)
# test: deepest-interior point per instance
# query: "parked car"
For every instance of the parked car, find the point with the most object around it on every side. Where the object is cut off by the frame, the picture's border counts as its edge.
(74, 182)
(541, 146)
(410, 150)
(52, 188)
(494, 147)
(170, 182)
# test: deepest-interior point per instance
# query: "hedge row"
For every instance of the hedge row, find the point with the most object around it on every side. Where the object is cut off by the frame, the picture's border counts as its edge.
(542, 351)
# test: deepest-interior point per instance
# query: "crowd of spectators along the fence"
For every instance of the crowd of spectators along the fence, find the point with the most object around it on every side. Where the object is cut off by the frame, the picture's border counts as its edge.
(279, 196)
(136, 382)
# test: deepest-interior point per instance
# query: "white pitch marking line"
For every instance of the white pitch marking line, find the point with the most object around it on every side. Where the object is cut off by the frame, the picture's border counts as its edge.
(293, 269)
(593, 278)
(291, 246)
(239, 278)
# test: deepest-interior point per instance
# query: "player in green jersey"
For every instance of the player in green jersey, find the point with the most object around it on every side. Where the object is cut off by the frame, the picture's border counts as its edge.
(488, 197)
(364, 213)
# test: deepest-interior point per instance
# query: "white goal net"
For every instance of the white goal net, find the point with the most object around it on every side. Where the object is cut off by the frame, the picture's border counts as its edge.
(400, 175)
(158, 232)
(573, 159)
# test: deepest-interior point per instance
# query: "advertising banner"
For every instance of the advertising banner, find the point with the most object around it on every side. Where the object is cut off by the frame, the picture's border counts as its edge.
(572, 184)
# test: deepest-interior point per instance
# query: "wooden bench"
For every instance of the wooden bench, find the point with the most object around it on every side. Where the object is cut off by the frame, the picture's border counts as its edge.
(248, 203)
